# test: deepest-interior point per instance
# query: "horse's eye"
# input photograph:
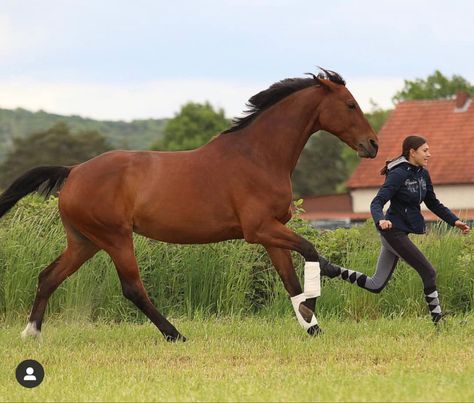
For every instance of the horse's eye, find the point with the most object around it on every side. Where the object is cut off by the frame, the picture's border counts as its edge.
(351, 105)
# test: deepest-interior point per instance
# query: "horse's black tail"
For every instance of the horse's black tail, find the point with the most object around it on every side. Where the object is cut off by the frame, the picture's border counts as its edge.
(42, 179)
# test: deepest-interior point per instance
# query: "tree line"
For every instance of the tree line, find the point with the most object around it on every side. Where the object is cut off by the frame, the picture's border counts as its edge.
(323, 167)
(136, 134)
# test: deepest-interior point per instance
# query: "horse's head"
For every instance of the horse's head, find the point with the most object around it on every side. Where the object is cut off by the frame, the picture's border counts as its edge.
(340, 114)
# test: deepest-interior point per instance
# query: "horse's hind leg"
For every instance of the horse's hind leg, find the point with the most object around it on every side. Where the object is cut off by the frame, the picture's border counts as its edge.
(77, 252)
(132, 287)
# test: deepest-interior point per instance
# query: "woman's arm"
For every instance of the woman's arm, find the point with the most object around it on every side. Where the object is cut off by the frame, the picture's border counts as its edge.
(436, 206)
(393, 182)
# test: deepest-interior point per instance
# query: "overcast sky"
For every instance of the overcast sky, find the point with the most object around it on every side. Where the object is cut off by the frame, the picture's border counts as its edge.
(143, 59)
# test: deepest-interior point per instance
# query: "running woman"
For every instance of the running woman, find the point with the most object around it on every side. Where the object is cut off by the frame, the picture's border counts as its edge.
(407, 185)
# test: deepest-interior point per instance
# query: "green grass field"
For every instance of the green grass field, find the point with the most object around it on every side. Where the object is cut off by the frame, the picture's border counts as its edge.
(250, 359)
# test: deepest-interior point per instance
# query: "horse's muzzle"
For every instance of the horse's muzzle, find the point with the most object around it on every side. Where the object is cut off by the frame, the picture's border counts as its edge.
(369, 149)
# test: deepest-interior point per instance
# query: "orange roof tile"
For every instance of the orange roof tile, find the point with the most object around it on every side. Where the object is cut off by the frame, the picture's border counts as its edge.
(450, 135)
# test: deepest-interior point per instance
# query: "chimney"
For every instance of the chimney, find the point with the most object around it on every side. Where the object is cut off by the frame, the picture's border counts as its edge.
(462, 101)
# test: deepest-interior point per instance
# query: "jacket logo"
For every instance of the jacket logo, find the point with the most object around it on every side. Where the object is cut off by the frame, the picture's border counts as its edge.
(412, 185)
(423, 183)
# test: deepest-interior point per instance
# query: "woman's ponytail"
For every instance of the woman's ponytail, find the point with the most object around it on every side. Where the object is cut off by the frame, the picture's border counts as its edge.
(384, 170)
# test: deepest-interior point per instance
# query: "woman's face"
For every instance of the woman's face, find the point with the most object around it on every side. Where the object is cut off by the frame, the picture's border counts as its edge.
(420, 156)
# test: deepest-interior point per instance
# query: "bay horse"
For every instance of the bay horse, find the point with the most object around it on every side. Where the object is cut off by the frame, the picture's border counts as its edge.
(237, 186)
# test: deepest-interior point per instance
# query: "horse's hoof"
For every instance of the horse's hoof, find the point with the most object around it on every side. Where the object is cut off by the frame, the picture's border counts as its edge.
(31, 331)
(175, 338)
(315, 330)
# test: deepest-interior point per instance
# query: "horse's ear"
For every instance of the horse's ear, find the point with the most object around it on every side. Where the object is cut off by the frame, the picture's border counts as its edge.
(320, 81)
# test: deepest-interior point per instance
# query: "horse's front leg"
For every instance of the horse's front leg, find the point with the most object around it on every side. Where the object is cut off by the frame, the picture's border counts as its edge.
(278, 241)
(303, 302)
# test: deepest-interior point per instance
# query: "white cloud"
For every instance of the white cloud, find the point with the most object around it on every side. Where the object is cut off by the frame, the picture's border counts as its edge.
(123, 101)
(6, 45)
(16, 41)
(157, 99)
(378, 89)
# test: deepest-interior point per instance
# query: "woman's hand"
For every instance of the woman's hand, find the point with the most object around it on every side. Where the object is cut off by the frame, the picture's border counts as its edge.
(385, 224)
(462, 226)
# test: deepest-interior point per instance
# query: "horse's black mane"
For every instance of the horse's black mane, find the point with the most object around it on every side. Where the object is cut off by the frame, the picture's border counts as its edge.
(275, 93)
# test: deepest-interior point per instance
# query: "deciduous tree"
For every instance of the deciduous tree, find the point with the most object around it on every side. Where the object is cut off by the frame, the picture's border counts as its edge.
(435, 86)
(55, 146)
(194, 125)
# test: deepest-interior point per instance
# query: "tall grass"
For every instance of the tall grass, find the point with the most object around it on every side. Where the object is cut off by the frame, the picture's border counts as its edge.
(229, 278)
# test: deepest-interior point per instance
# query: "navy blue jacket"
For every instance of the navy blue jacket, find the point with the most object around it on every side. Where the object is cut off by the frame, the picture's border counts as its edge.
(407, 186)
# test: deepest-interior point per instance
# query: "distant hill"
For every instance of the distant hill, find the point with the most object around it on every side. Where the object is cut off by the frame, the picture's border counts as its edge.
(137, 134)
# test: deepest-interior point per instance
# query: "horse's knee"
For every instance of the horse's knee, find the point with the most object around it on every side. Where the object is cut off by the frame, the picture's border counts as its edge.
(129, 292)
(46, 278)
(42, 277)
(132, 292)
(45, 286)
(309, 251)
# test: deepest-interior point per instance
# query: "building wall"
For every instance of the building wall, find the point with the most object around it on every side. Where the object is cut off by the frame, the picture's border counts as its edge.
(453, 196)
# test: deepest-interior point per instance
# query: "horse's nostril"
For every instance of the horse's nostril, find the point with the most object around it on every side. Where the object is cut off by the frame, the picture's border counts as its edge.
(374, 144)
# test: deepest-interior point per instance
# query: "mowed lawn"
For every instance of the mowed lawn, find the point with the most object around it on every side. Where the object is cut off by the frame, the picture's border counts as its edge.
(248, 359)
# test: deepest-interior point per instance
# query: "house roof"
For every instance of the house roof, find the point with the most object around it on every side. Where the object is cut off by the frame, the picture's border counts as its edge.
(448, 129)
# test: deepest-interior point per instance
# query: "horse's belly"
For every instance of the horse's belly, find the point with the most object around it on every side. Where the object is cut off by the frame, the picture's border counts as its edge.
(190, 237)
(188, 232)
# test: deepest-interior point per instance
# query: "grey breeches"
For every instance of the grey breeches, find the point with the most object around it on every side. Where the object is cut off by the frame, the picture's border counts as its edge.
(386, 264)
(396, 245)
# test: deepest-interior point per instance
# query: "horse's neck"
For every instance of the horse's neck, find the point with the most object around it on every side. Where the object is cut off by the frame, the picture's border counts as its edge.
(279, 134)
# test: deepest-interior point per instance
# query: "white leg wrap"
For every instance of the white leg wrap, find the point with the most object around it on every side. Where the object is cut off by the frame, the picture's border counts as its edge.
(30, 330)
(312, 279)
(296, 301)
